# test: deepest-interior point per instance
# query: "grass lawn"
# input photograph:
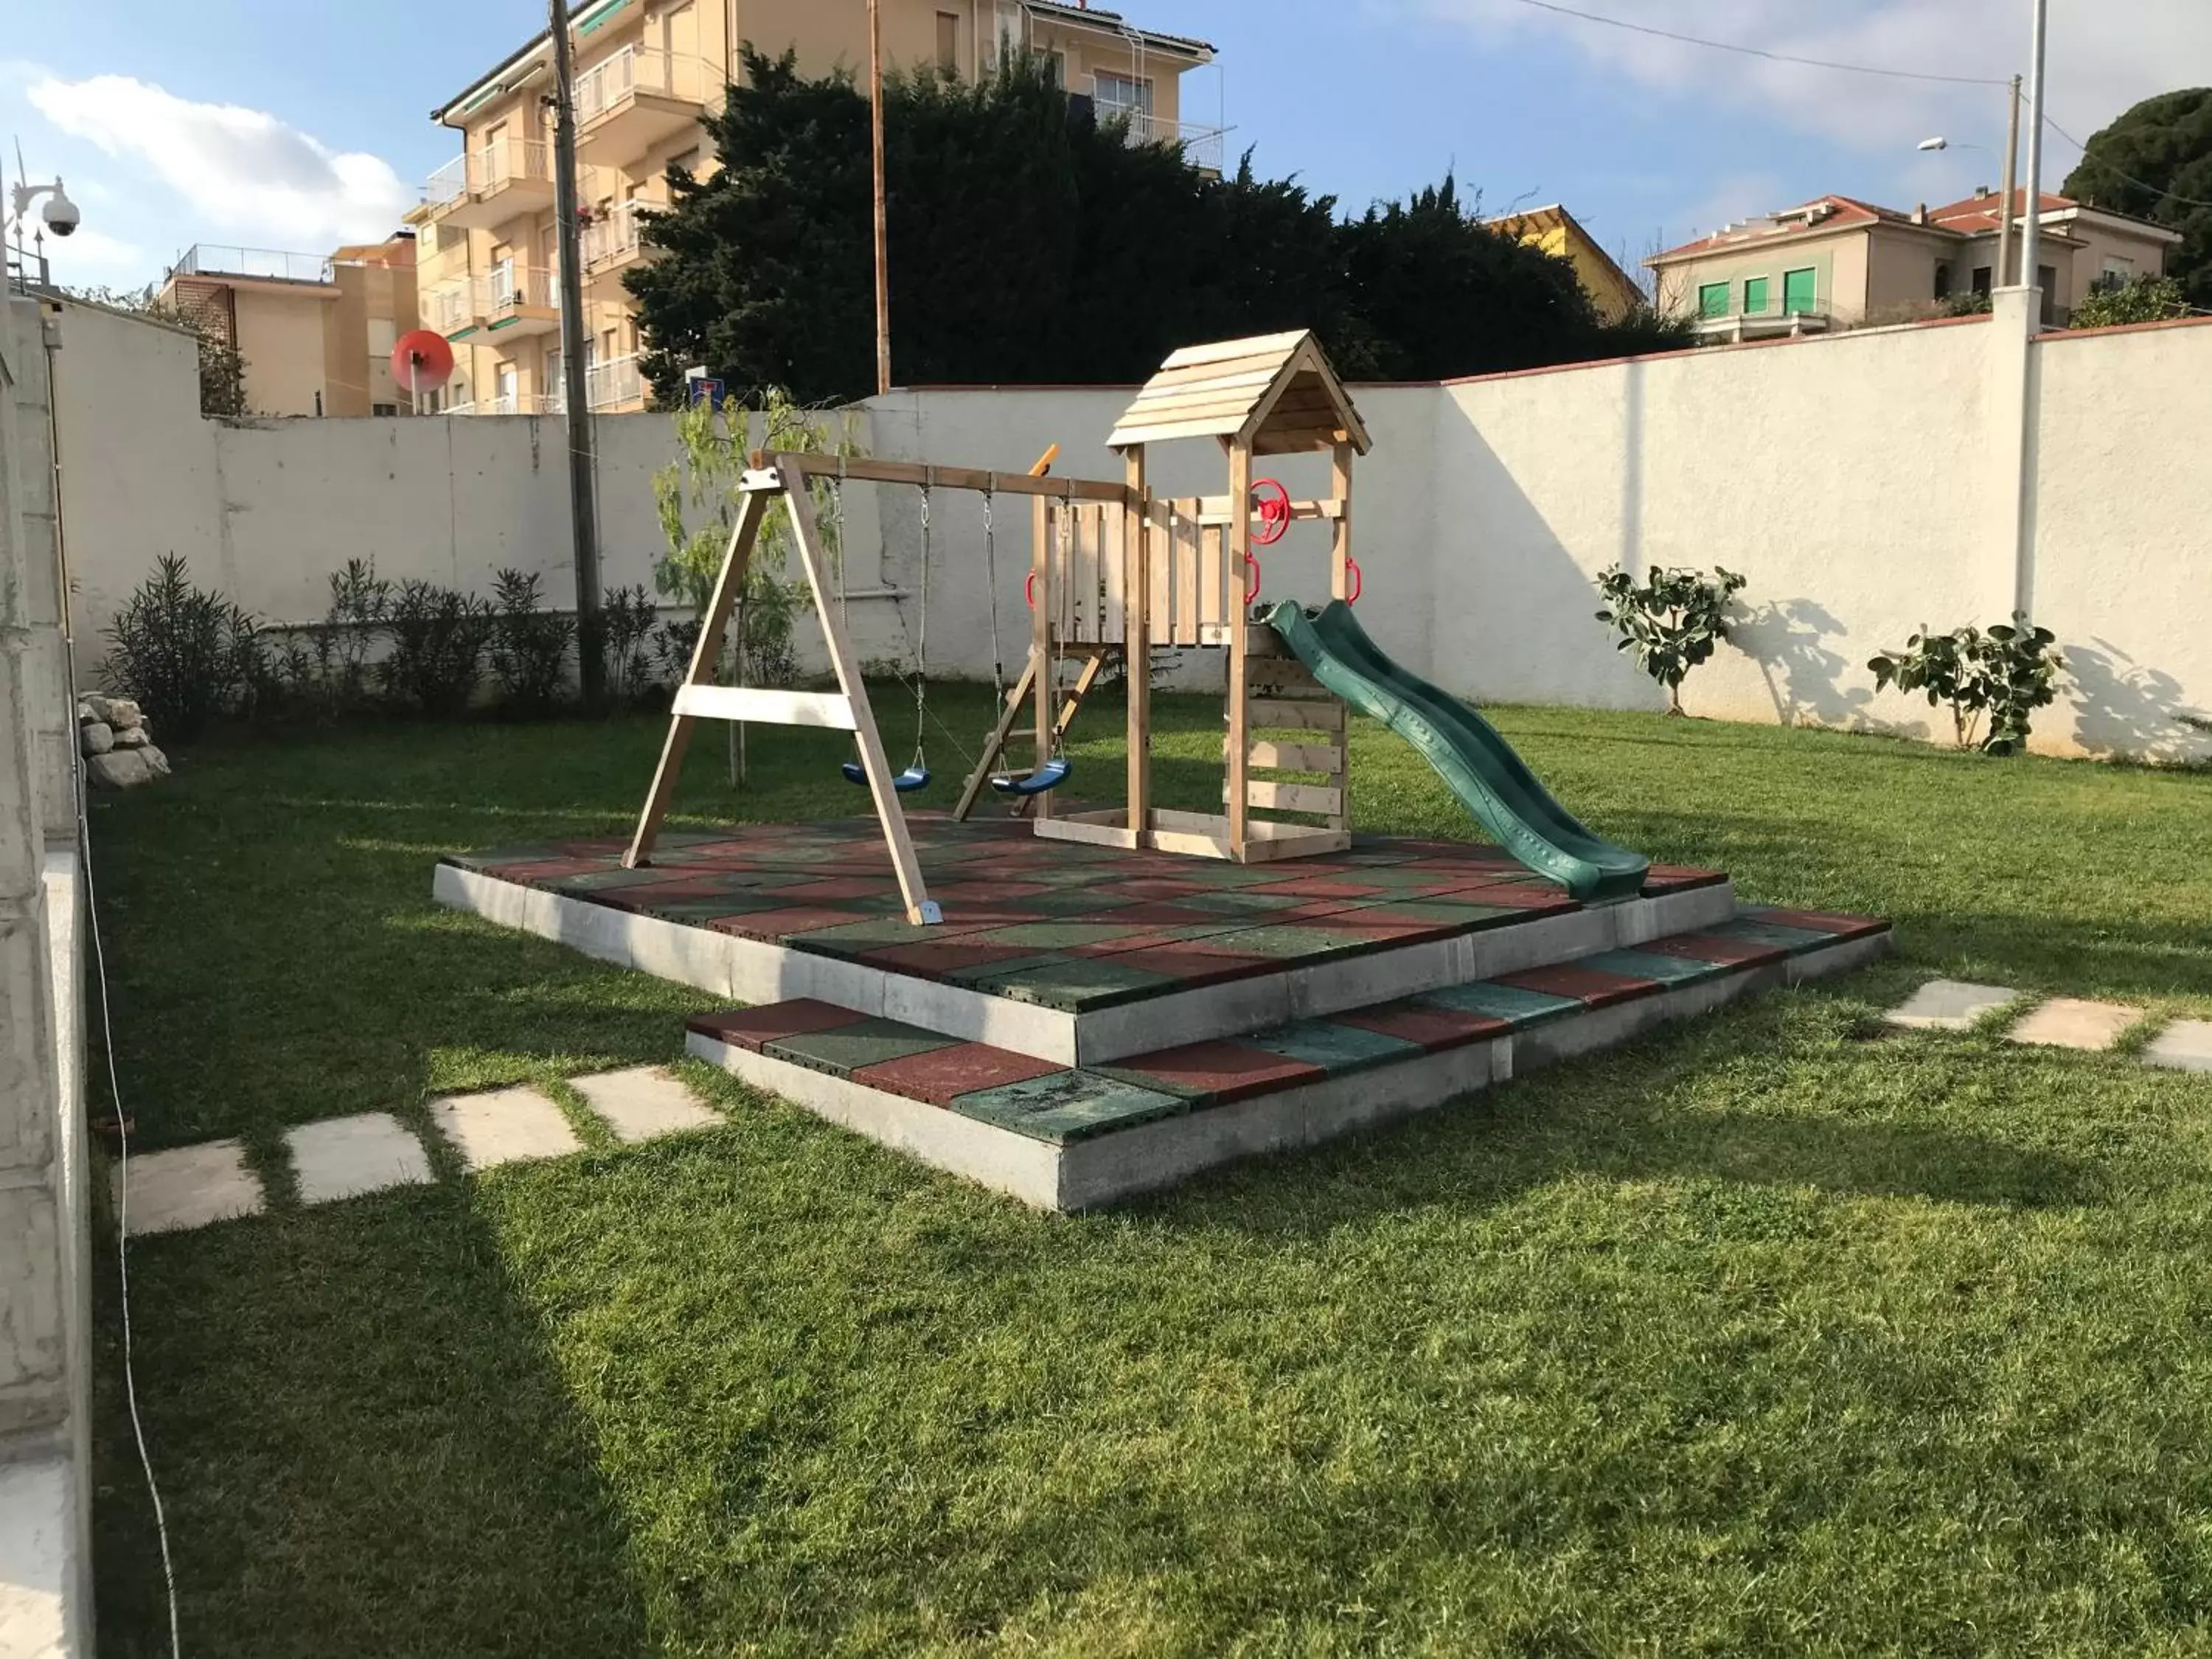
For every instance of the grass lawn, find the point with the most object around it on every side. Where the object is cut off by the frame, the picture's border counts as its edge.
(1765, 1333)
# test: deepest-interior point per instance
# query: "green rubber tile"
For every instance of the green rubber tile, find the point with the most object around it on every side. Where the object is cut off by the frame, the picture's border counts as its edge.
(1065, 1106)
(1334, 1049)
(1074, 985)
(1242, 903)
(881, 930)
(1450, 912)
(1792, 939)
(1287, 942)
(1505, 1002)
(701, 910)
(1056, 935)
(1089, 899)
(973, 977)
(1647, 964)
(846, 1049)
(602, 880)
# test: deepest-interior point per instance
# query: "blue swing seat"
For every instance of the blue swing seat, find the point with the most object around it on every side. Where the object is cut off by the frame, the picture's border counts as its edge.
(1050, 775)
(913, 778)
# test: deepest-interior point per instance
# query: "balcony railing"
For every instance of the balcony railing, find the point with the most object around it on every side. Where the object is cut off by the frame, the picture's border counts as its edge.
(506, 161)
(512, 403)
(450, 306)
(612, 240)
(612, 382)
(1201, 146)
(271, 264)
(510, 288)
(612, 82)
(448, 184)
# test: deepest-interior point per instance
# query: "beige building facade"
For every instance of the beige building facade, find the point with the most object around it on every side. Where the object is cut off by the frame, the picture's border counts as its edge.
(647, 72)
(1839, 263)
(315, 333)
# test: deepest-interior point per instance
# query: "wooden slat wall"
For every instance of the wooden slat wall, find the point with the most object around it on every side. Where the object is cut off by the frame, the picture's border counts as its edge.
(1113, 571)
(1186, 573)
(1213, 585)
(1083, 578)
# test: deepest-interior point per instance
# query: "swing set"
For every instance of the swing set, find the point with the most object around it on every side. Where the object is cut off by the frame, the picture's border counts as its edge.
(1113, 571)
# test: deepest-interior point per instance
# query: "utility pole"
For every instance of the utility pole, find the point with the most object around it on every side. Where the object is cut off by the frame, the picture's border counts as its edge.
(583, 515)
(2030, 237)
(882, 218)
(2009, 198)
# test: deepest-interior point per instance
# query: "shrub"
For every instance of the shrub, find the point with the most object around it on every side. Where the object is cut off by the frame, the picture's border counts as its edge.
(529, 647)
(1671, 622)
(438, 640)
(2006, 674)
(627, 617)
(185, 653)
(2144, 299)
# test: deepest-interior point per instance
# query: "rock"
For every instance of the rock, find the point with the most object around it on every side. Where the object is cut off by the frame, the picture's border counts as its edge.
(123, 713)
(133, 737)
(95, 708)
(123, 770)
(98, 738)
(84, 714)
(157, 763)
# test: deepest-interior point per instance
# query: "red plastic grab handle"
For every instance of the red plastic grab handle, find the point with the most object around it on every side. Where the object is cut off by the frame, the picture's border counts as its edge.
(1029, 590)
(1358, 581)
(1252, 592)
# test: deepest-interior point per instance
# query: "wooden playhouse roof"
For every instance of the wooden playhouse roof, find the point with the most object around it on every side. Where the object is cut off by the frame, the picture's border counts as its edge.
(1276, 392)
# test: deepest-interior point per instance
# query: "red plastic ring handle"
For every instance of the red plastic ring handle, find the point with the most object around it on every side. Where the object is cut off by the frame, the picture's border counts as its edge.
(1274, 511)
(1252, 592)
(1358, 581)
(1029, 590)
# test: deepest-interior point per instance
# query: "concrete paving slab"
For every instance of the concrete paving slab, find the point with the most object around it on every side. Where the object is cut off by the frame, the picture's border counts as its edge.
(504, 1126)
(2183, 1045)
(2071, 1022)
(644, 1103)
(1950, 1005)
(186, 1186)
(347, 1156)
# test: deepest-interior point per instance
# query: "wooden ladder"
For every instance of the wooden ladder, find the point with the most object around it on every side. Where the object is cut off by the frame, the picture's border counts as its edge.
(1093, 658)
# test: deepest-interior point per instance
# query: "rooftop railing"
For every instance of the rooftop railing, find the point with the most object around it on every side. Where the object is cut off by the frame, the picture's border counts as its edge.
(269, 264)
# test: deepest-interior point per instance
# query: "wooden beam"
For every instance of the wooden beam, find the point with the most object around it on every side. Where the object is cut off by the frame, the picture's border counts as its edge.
(1224, 426)
(1043, 586)
(866, 470)
(1010, 714)
(1295, 758)
(1239, 552)
(1265, 716)
(1221, 350)
(1270, 796)
(737, 561)
(824, 709)
(920, 908)
(1137, 635)
(1339, 554)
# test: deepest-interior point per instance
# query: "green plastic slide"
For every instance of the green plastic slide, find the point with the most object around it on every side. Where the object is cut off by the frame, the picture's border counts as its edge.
(1480, 766)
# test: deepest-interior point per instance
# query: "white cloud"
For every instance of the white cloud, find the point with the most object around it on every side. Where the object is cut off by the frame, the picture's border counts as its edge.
(91, 258)
(2099, 63)
(241, 172)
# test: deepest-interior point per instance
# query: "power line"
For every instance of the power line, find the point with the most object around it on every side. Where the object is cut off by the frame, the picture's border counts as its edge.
(1760, 52)
(2139, 183)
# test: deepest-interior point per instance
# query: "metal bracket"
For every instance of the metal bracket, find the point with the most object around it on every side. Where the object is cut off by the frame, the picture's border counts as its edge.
(761, 479)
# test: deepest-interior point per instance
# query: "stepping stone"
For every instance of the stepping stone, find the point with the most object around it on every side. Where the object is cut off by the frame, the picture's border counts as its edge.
(643, 1103)
(1950, 1005)
(504, 1126)
(186, 1186)
(2069, 1023)
(2183, 1045)
(346, 1157)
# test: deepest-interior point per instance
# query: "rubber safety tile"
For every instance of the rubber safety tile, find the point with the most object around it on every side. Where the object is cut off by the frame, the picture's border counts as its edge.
(849, 1048)
(775, 926)
(1072, 986)
(937, 958)
(1065, 1106)
(940, 1076)
(1587, 985)
(1716, 947)
(772, 1022)
(1770, 934)
(1509, 1003)
(1819, 922)
(1662, 967)
(1215, 1072)
(1431, 1028)
(1335, 1049)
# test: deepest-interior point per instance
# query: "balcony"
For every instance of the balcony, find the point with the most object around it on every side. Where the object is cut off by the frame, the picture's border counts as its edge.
(260, 264)
(510, 301)
(615, 384)
(492, 183)
(610, 246)
(1771, 323)
(511, 403)
(1201, 146)
(629, 102)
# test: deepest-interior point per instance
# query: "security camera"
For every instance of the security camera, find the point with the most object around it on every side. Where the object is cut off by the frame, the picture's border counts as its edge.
(61, 214)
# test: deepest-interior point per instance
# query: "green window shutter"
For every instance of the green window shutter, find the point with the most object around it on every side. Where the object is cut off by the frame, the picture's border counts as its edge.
(1798, 291)
(1754, 295)
(1713, 300)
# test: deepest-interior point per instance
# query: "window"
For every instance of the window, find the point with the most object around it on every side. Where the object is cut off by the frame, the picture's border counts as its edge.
(1981, 282)
(1011, 33)
(1712, 299)
(2117, 272)
(1942, 281)
(1754, 295)
(948, 40)
(1799, 290)
(2046, 278)
(1120, 94)
(384, 409)
(383, 335)
(430, 402)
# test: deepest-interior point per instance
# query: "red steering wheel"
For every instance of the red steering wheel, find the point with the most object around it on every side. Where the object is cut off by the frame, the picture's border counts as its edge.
(1274, 510)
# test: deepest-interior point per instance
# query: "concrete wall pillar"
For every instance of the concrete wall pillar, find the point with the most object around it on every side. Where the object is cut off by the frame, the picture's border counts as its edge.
(2014, 420)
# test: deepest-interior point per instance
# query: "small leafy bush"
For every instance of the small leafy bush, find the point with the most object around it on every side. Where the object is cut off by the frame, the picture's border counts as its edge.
(627, 619)
(2145, 299)
(673, 642)
(1671, 622)
(2004, 672)
(529, 645)
(438, 641)
(185, 654)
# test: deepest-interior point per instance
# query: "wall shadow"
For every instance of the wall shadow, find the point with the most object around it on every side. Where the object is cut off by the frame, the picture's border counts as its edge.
(2123, 710)
(1786, 638)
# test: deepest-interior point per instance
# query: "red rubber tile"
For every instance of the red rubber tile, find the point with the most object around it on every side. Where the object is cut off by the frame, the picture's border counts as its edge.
(1590, 986)
(1434, 1029)
(933, 959)
(1218, 1070)
(1179, 960)
(774, 925)
(748, 1028)
(1532, 899)
(943, 1074)
(1708, 947)
(1821, 922)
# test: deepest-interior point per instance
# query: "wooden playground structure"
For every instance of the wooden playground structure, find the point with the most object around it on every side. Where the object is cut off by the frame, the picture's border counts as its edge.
(1115, 571)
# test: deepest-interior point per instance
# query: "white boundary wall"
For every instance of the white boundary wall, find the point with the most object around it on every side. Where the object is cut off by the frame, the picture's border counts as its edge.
(1866, 483)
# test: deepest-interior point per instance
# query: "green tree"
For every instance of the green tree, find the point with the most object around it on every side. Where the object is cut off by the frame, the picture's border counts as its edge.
(2156, 162)
(2146, 300)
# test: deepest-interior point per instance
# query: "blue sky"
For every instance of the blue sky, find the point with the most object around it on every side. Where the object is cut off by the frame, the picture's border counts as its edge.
(272, 124)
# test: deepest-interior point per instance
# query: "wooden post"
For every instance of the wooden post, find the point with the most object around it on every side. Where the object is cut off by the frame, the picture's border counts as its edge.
(737, 560)
(1340, 560)
(882, 213)
(1047, 677)
(1137, 639)
(1238, 574)
(920, 908)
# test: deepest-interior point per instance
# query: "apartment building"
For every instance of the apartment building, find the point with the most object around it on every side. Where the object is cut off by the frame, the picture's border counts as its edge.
(646, 73)
(315, 331)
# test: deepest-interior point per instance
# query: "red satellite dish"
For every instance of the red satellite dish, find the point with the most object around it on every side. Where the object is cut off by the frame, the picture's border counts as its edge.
(422, 361)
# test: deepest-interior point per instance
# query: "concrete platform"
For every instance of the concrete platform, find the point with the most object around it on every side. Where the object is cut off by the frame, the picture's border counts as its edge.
(347, 1156)
(1066, 1138)
(1067, 953)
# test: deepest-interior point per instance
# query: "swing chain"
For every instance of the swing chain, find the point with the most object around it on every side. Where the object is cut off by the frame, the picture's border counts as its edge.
(991, 575)
(921, 631)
